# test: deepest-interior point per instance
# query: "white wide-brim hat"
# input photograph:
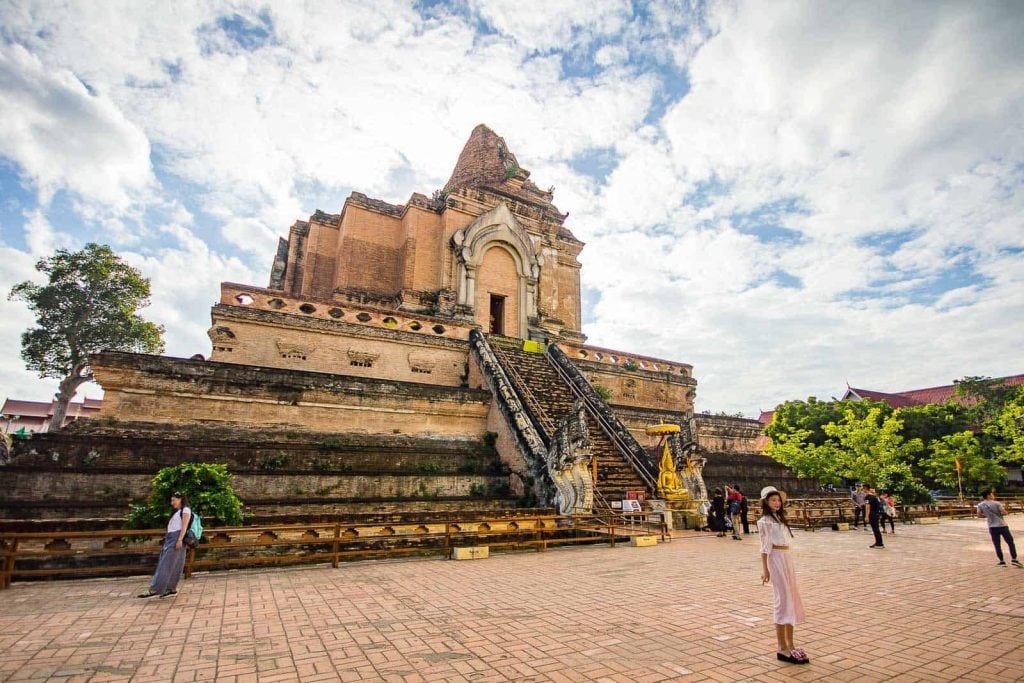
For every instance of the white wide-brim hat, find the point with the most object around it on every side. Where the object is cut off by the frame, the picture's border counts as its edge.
(769, 490)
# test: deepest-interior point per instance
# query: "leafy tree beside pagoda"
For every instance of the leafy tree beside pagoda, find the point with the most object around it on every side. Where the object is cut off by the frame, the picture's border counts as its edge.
(89, 304)
(906, 449)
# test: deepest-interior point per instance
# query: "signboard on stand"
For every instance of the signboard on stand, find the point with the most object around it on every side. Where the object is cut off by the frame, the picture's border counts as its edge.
(631, 505)
(637, 495)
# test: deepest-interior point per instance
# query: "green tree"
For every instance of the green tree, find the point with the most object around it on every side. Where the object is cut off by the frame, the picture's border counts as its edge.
(976, 470)
(209, 491)
(872, 449)
(88, 305)
(1007, 428)
(806, 459)
(811, 416)
(933, 421)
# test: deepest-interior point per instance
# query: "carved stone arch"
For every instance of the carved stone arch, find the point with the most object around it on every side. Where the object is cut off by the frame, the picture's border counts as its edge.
(497, 227)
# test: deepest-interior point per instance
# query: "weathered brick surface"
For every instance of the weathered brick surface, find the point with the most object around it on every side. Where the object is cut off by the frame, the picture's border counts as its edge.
(724, 434)
(931, 607)
(70, 486)
(151, 388)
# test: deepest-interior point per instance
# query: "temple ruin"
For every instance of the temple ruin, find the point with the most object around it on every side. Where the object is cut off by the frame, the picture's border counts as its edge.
(425, 355)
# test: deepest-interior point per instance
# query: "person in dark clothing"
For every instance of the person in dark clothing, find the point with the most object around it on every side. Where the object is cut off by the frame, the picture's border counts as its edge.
(744, 508)
(717, 517)
(874, 505)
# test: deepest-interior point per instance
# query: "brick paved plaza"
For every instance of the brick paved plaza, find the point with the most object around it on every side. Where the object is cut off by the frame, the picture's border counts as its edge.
(930, 607)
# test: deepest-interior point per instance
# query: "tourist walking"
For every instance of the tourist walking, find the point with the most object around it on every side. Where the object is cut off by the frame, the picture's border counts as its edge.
(172, 557)
(889, 511)
(993, 511)
(718, 512)
(777, 569)
(858, 497)
(734, 499)
(874, 505)
(744, 510)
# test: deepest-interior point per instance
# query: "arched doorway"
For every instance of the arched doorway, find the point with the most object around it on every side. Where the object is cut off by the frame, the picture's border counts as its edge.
(497, 272)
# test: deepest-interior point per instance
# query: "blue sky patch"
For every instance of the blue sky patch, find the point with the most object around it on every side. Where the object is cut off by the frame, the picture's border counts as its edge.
(596, 162)
(16, 202)
(784, 279)
(888, 243)
(589, 298)
(766, 222)
(246, 34)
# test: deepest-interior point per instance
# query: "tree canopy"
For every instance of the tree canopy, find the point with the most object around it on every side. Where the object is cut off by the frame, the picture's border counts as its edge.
(89, 304)
(906, 450)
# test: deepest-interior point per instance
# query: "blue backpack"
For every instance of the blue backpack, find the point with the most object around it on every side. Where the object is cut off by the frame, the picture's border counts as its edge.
(195, 531)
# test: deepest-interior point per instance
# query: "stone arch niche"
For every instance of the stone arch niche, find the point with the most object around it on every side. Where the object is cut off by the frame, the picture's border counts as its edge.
(497, 228)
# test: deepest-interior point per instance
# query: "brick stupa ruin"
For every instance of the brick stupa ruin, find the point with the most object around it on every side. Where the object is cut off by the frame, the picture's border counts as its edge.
(426, 355)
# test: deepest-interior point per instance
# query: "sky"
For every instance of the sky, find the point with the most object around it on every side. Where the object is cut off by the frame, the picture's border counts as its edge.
(790, 196)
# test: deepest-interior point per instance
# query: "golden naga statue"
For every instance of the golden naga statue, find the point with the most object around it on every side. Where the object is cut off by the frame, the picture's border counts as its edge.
(670, 484)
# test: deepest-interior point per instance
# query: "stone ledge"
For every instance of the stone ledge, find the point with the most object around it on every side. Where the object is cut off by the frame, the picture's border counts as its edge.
(207, 377)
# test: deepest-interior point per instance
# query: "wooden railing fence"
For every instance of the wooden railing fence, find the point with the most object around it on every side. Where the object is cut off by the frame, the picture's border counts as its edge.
(815, 513)
(131, 551)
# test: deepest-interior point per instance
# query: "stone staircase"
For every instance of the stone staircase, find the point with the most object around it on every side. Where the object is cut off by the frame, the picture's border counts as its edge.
(548, 399)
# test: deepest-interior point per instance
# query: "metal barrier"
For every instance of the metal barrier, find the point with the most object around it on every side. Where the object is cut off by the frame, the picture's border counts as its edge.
(233, 547)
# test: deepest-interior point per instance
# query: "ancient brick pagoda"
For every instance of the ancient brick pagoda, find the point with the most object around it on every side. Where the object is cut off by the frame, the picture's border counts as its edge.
(426, 355)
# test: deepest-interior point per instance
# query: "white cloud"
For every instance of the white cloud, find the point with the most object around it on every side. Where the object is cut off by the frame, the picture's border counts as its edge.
(63, 137)
(870, 120)
(182, 304)
(542, 25)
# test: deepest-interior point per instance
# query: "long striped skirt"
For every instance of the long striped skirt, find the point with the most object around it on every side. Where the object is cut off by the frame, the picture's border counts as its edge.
(170, 566)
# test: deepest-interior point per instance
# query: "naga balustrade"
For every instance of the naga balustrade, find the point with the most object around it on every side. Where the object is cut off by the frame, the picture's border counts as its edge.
(134, 551)
(625, 443)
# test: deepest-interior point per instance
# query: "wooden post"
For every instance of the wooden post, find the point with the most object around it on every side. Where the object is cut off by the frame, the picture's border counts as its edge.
(448, 539)
(611, 529)
(334, 545)
(11, 554)
(190, 556)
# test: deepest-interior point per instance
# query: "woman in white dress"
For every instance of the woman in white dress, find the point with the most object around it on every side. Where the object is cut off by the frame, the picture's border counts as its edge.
(777, 568)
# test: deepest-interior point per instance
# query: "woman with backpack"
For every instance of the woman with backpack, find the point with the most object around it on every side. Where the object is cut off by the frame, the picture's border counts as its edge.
(777, 569)
(172, 557)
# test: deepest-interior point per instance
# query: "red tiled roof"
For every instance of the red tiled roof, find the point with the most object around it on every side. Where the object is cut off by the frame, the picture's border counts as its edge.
(895, 400)
(929, 395)
(766, 416)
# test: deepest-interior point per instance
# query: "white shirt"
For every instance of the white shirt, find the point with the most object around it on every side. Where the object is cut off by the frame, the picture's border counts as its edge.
(772, 533)
(174, 524)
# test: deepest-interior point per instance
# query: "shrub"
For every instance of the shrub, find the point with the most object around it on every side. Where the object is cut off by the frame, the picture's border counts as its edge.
(274, 462)
(604, 392)
(209, 492)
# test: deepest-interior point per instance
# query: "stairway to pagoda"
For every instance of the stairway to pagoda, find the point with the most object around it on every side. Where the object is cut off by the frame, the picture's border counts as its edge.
(549, 399)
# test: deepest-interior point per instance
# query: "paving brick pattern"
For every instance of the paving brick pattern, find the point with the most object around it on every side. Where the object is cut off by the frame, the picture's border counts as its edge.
(931, 607)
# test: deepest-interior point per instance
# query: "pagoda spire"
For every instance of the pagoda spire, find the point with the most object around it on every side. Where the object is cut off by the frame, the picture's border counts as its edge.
(485, 160)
